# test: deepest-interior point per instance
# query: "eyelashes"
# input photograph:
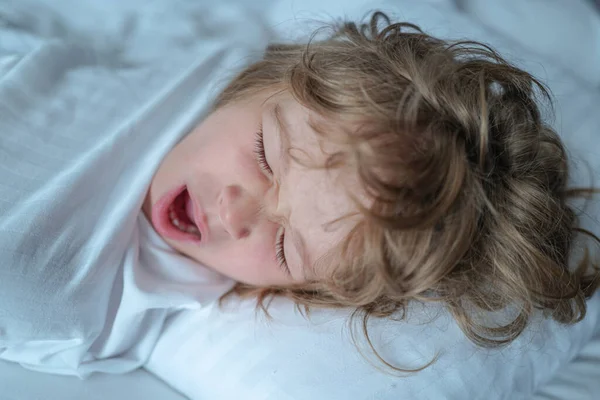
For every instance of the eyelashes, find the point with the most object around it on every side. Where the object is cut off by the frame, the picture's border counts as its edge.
(261, 158)
(259, 151)
(280, 253)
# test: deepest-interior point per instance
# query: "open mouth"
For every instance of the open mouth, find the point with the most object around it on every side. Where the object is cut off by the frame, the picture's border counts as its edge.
(173, 217)
(181, 213)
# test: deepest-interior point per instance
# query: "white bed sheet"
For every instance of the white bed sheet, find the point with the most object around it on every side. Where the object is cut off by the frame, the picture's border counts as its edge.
(18, 383)
(578, 380)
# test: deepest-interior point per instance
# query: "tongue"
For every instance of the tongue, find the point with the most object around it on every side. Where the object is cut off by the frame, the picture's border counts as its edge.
(189, 208)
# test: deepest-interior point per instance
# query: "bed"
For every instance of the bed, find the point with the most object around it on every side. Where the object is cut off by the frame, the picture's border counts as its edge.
(577, 380)
(195, 356)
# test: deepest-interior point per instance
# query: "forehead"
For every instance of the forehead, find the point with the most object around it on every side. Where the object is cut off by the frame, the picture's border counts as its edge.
(299, 124)
(319, 205)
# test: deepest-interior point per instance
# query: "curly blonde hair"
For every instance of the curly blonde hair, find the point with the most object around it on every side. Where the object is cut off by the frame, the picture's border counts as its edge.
(469, 185)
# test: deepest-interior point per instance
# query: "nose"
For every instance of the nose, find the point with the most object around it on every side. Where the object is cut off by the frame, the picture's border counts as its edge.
(238, 211)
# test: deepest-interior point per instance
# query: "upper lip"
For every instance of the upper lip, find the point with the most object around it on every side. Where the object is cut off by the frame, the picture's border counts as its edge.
(199, 216)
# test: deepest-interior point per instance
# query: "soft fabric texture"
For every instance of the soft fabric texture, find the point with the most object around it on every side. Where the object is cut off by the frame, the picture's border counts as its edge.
(565, 32)
(86, 115)
(18, 383)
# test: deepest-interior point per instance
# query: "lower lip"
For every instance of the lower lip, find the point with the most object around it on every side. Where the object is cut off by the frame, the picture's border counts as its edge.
(162, 223)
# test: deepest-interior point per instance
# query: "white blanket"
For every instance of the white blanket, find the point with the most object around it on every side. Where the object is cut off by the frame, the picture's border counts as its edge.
(87, 111)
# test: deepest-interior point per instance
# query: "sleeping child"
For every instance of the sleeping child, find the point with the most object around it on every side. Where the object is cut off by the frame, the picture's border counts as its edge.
(367, 170)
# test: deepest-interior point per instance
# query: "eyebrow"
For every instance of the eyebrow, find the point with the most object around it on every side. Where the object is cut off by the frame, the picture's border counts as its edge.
(283, 135)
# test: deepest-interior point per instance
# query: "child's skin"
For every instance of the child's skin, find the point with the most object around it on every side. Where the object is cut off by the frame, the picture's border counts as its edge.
(244, 208)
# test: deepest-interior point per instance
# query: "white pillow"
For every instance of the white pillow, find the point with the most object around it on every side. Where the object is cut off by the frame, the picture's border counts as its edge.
(215, 354)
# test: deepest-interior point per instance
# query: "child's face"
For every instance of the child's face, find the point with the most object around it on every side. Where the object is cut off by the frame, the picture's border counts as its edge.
(214, 177)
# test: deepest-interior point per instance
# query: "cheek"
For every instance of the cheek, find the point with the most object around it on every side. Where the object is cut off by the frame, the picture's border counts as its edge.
(250, 261)
(258, 254)
(223, 153)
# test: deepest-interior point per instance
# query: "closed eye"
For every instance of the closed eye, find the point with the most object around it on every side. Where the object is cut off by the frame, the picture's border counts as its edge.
(259, 152)
(280, 253)
(261, 158)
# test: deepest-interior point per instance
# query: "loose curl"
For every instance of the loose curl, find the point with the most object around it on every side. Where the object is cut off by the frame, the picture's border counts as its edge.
(469, 185)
